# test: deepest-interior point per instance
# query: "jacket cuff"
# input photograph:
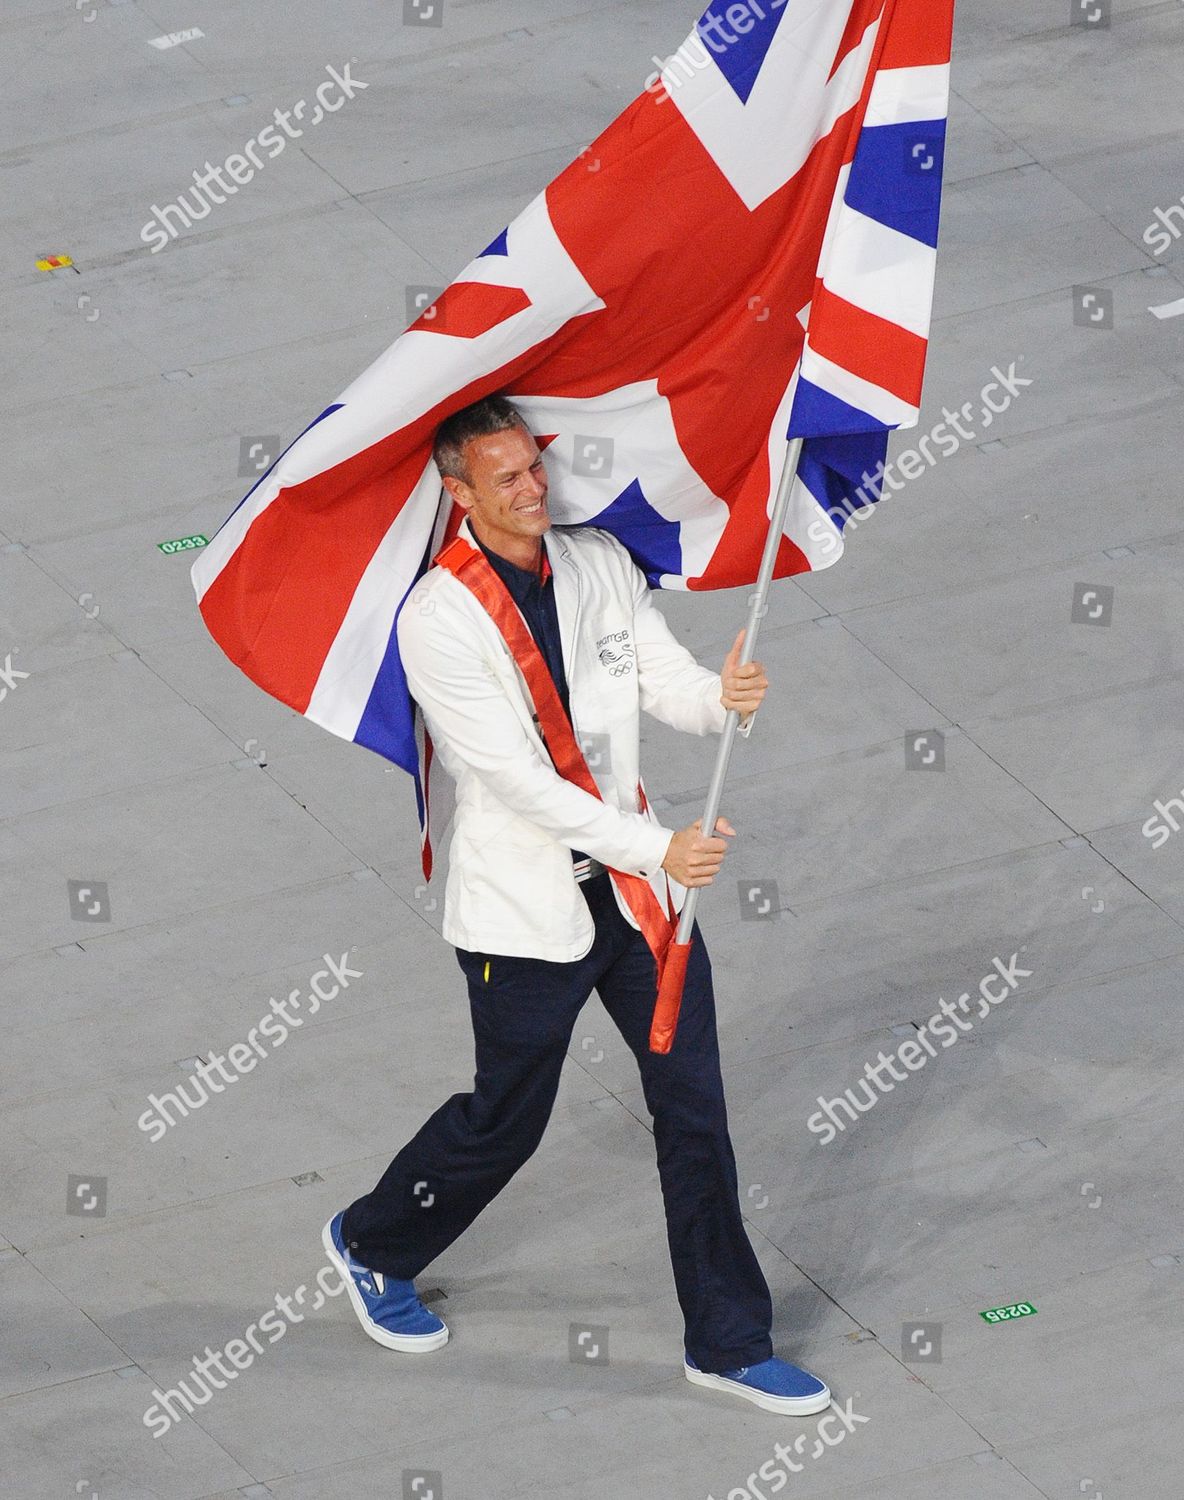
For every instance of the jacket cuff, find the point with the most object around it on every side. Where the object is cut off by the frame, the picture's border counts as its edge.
(653, 845)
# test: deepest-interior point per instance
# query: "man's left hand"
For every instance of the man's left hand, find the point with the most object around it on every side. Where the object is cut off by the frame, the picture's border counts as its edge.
(744, 686)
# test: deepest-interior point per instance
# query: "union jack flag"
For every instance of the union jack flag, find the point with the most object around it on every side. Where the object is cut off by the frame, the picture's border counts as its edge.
(745, 255)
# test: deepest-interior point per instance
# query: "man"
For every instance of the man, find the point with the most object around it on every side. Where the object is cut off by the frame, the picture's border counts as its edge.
(538, 922)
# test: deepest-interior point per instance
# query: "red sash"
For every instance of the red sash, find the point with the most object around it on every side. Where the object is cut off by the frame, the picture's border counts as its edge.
(470, 566)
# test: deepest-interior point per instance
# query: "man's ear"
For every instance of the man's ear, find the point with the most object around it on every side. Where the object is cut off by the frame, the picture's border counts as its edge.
(459, 491)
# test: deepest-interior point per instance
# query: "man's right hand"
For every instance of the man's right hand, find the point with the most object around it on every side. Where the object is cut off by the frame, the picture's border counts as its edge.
(695, 859)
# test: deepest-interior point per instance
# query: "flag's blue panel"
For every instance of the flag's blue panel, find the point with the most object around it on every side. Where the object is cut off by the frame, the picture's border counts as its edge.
(739, 54)
(500, 246)
(817, 411)
(652, 539)
(386, 726)
(896, 177)
(844, 473)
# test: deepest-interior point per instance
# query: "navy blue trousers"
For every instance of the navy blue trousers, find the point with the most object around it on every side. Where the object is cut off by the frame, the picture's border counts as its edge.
(470, 1148)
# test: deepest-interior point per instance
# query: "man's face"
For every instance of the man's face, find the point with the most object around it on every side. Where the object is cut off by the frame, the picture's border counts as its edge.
(507, 490)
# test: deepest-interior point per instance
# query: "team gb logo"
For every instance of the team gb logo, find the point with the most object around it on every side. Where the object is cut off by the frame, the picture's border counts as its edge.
(615, 653)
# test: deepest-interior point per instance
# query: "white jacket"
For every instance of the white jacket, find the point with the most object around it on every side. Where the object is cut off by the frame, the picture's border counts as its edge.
(511, 886)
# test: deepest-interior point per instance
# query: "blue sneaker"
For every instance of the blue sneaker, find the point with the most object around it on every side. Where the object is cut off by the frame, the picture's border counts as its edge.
(387, 1309)
(773, 1385)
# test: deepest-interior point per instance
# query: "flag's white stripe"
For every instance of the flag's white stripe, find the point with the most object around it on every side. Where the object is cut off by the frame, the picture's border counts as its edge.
(901, 95)
(760, 145)
(346, 678)
(881, 405)
(638, 419)
(421, 369)
(698, 537)
(879, 269)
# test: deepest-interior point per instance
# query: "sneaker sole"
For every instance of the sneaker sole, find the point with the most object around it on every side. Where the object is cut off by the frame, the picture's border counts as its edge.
(405, 1343)
(786, 1406)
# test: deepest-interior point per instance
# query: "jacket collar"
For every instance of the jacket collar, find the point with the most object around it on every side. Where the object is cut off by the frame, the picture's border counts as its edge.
(565, 581)
(558, 552)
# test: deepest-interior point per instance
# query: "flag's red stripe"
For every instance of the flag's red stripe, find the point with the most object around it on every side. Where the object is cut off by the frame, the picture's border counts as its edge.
(871, 347)
(268, 608)
(467, 309)
(919, 34)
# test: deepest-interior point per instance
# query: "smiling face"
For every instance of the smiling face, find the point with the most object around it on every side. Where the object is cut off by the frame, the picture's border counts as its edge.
(506, 493)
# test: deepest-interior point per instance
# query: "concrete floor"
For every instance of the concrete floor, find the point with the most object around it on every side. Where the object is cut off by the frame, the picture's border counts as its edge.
(1022, 599)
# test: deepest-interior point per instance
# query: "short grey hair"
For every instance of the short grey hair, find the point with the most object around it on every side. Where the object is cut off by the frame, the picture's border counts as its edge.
(482, 419)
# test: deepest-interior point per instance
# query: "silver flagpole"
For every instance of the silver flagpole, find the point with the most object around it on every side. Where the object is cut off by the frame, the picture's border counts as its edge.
(756, 612)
